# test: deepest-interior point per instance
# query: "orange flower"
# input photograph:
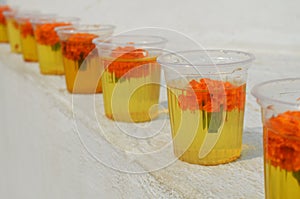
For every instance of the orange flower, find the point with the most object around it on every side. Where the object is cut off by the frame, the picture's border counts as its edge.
(210, 95)
(15, 23)
(26, 29)
(282, 140)
(127, 58)
(78, 46)
(2, 18)
(46, 35)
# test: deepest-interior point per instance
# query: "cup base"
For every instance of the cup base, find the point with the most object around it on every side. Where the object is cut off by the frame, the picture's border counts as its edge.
(29, 60)
(215, 157)
(84, 91)
(135, 118)
(52, 73)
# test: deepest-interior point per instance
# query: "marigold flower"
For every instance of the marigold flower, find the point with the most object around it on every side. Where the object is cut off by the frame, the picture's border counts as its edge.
(210, 95)
(45, 33)
(127, 58)
(78, 46)
(26, 29)
(2, 9)
(282, 140)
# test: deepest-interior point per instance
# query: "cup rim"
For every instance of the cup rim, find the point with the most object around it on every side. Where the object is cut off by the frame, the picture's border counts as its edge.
(250, 58)
(259, 95)
(11, 7)
(41, 17)
(3, 4)
(27, 15)
(109, 43)
(10, 13)
(84, 28)
(53, 19)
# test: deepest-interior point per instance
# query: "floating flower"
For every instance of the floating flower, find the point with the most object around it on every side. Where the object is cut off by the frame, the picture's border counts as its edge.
(128, 58)
(45, 33)
(26, 29)
(282, 140)
(210, 95)
(78, 46)
(2, 18)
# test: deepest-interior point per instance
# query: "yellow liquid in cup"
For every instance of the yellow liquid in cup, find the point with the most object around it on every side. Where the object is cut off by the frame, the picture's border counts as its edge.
(83, 77)
(14, 36)
(189, 129)
(132, 99)
(29, 49)
(280, 183)
(50, 60)
(3, 34)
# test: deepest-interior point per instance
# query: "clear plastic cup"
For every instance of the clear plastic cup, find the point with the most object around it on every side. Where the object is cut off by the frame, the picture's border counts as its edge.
(131, 77)
(28, 42)
(81, 63)
(48, 44)
(3, 24)
(13, 31)
(206, 98)
(280, 110)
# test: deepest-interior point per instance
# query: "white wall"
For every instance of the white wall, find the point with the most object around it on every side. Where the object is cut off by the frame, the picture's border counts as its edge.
(252, 24)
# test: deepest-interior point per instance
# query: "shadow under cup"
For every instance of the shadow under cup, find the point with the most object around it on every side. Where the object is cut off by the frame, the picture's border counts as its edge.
(280, 108)
(206, 99)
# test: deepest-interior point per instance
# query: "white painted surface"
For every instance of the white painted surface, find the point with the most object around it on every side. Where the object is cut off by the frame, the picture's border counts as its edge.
(41, 153)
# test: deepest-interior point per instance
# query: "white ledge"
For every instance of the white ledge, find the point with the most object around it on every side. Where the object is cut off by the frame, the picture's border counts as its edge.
(52, 149)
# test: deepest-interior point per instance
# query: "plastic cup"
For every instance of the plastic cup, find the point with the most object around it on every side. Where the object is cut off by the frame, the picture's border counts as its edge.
(13, 31)
(48, 44)
(81, 63)
(131, 76)
(206, 99)
(3, 24)
(280, 110)
(28, 42)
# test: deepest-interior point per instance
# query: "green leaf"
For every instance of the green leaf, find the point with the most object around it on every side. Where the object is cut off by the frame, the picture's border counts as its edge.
(117, 79)
(215, 120)
(205, 117)
(296, 175)
(56, 46)
(81, 64)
